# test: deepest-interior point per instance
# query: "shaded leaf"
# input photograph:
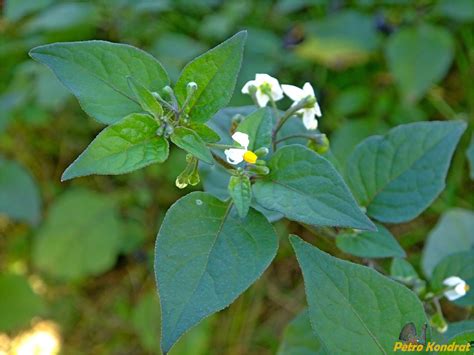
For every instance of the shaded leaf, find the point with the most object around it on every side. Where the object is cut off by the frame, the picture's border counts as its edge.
(240, 191)
(305, 187)
(205, 257)
(19, 195)
(258, 125)
(452, 234)
(378, 244)
(80, 237)
(353, 308)
(397, 176)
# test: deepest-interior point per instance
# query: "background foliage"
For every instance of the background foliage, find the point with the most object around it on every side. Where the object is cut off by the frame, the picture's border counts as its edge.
(80, 253)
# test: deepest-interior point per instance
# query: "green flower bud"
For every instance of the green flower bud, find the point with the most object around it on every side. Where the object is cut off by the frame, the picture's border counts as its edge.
(261, 163)
(437, 321)
(320, 144)
(182, 180)
(309, 101)
(261, 152)
(260, 170)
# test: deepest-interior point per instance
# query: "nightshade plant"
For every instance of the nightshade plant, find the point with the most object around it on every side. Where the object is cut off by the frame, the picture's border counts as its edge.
(260, 164)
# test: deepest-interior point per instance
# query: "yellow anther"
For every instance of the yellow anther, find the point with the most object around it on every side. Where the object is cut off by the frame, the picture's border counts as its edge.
(250, 157)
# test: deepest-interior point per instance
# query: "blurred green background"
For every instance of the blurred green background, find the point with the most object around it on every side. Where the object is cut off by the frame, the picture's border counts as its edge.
(76, 258)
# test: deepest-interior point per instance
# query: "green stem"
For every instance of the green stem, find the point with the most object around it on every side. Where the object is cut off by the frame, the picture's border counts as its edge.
(442, 106)
(220, 146)
(222, 162)
(301, 135)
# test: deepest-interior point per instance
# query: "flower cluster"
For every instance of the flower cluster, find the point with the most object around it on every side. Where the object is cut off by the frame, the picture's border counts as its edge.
(266, 89)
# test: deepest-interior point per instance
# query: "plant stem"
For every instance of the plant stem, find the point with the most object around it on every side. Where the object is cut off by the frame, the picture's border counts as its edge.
(301, 135)
(222, 162)
(220, 146)
(288, 113)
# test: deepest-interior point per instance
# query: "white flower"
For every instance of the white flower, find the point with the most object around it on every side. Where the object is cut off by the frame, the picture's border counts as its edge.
(457, 288)
(266, 86)
(297, 94)
(237, 155)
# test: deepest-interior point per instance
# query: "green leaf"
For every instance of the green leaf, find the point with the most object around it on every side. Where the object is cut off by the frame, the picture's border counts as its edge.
(81, 236)
(96, 73)
(125, 146)
(145, 98)
(463, 339)
(470, 157)
(459, 10)
(18, 303)
(453, 329)
(20, 197)
(145, 320)
(353, 308)
(207, 134)
(306, 188)
(205, 257)
(419, 57)
(16, 9)
(452, 234)
(403, 270)
(258, 125)
(397, 176)
(215, 72)
(191, 142)
(241, 192)
(460, 265)
(299, 339)
(379, 244)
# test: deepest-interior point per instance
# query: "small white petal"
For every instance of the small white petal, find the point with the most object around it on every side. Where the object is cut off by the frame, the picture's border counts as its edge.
(452, 281)
(317, 110)
(262, 99)
(461, 289)
(309, 121)
(277, 92)
(245, 89)
(234, 156)
(452, 295)
(308, 89)
(264, 78)
(242, 139)
(293, 92)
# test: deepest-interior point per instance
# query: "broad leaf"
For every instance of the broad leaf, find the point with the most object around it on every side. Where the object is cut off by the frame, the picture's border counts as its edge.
(461, 265)
(145, 98)
(215, 72)
(463, 339)
(96, 73)
(379, 244)
(403, 270)
(81, 236)
(205, 257)
(353, 308)
(191, 142)
(258, 125)
(305, 187)
(397, 176)
(419, 57)
(207, 134)
(299, 338)
(240, 191)
(453, 329)
(453, 233)
(18, 302)
(125, 146)
(19, 195)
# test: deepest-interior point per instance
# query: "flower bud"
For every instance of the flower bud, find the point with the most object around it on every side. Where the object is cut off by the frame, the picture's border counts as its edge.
(437, 321)
(191, 88)
(182, 180)
(169, 130)
(320, 144)
(309, 101)
(252, 89)
(260, 170)
(261, 152)
(261, 163)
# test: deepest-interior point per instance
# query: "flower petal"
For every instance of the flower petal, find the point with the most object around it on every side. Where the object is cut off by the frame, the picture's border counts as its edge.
(262, 99)
(277, 92)
(452, 295)
(317, 109)
(234, 156)
(264, 78)
(245, 89)
(452, 281)
(308, 89)
(293, 92)
(242, 139)
(309, 121)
